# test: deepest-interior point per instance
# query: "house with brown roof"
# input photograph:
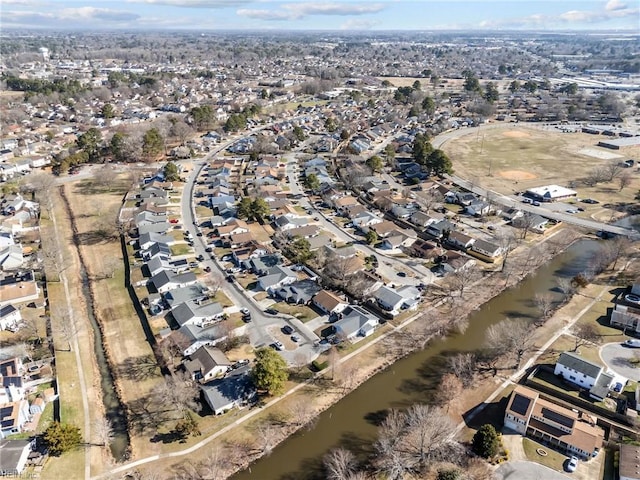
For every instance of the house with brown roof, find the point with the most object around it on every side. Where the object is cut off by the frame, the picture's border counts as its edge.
(239, 240)
(569, 431)
(207, 363)
(234, 227)
(329, 302)
(18, 288)
(628, 464)
(384, 228)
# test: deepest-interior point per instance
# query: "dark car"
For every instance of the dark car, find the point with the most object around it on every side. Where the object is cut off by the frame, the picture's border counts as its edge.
(287, 329)
(271, 311)
(200, 258)
(230, 278)
(208, 249)
(402, 274)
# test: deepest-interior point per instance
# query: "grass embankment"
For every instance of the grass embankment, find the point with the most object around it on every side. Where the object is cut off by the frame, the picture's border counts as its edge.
(131, 357)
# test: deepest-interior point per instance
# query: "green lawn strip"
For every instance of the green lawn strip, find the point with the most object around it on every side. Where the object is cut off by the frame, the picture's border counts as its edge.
(180, 249)
(552, 459)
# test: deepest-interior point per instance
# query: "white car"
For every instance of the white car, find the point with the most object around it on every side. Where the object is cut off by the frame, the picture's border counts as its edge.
(632, 343)
(245, 311)
(572, 464)
(572, 211)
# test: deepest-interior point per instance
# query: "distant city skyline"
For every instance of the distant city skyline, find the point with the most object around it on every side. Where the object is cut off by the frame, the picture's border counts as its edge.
(347, 15)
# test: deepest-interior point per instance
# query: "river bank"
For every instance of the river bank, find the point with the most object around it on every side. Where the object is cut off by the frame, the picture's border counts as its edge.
(358, 366)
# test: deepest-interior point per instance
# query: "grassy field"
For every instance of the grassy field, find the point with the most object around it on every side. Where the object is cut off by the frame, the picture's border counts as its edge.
(552, 459)
(517, 157)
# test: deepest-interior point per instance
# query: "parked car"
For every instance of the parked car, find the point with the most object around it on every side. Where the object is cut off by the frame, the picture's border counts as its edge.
(200, 257)
(271, 311)
(295, 338)
(536, 203)
(572, 464)
(277, 345)
(527, 200)
(230, 278)
(632, 342)
(287, 329)
(590, 201)
(618, 387)
(402, 274)
(572, 211)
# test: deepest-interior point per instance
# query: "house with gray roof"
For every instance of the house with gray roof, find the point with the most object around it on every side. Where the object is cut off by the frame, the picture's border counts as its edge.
(192, 312)
(148, 218)
(206, 363)
(394, 300)
(167, 280)
(486, 249)
(146, 240)
(191, 337)
(300, 292)
(276, 277)
(234, 390)
(261, 265)
(161, 227)
(355, 322)
(586, 374)
(13, 456)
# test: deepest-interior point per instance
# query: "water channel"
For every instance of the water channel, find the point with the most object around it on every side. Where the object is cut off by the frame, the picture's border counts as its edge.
(348, 423)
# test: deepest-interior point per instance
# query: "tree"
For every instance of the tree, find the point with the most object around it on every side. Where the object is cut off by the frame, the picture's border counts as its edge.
(491, 92)
(152, 143)
(244, 207)
(312, 182)
(514, 86)
(510, 337)
(439, 163)
(624, 180)
(89, 142)
(390, 152)
(428, 105)
(186, 426)
(463, 366)
(585, 334)
(422, 148)
(449, 390)
(61, 437)
(298, 133)
(259, 209)
(299, 250)
(170, 172)
(486, 441)
(339, 464)
(108, 111)
(203, 117)
(544, 303)
(117, 146)
(270, 371)
(371, 237)
(449, 474)
(471, 83)
(374, 163)
(330, 124)
(103, 431)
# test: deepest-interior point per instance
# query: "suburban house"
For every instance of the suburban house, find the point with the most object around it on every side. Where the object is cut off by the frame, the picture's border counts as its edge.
(398, 239)
(307, 231)
(421, 219)
(147, 240)
(234, 390)
(484, 250)
(238, 240)
(342, 204)
(234, 227)
(459, 240)
(394, 300)
(287, 222)
(364, 220)
(261, 265)
(580, 371)
(277, 277)
(626, 317)
(193, 313)
(161, 227)
(11, 257)
(328, 302)
(570, 431)
(355, 322)
(300, 292)
(191, 337)
(196, 292)
(207, 363)
(479, 208)
(425, 249)
(384, 228)
(148, 218)
(532, 221)
(167, 280)
(628, 468)
(10, 318)
(439, 229)
(18, 288)
(13, 416)
(13, 456)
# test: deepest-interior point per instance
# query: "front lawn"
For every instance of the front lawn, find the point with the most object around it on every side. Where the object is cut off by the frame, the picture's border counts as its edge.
(301, 312)
(180, 249)
(552, 459)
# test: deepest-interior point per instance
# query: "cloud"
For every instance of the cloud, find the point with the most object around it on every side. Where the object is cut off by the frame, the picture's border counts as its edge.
(24, 3)
(196, 3)
(615, 5)
(297, 11)
(359, 24)
(69, 17)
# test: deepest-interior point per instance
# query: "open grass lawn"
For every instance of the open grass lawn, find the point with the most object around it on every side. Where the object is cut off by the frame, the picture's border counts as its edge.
(247, 280)
(202, 211)
(516, 157)
(301, 312)
(552, 459)
(180, 249)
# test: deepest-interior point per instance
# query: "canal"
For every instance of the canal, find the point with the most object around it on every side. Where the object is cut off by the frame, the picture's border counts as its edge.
(348, 423)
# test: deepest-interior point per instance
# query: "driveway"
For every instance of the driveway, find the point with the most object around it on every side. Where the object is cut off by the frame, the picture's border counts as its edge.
(616, 356)
(523, 470)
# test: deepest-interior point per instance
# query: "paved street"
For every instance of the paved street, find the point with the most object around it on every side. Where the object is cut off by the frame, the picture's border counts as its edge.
(616, 356)
(523, 470)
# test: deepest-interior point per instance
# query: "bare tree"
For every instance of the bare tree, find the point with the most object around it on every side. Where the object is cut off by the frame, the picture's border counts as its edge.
(102, 431)
(428, 198)
(459, 281)
(507, 242)
(544, 303)
(42, 184)
(64, 324)
(597, 175)
(107, 176)
(463, 366)
(449, 390)
(213, 281)
(613, 250)
(624, 180)
(267, 436)
(612, 170)
(301, 410)
(510, 338)
(339, 464)
(566, 287)
(54, 258)
(213, 465)
(585, 334)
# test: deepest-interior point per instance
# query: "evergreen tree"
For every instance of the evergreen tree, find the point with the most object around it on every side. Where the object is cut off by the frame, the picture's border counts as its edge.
(270, 371)
(486, 441)
(61, 437)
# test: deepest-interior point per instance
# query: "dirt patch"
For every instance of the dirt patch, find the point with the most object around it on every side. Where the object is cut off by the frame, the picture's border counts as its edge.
(516, 134)
(517, 175)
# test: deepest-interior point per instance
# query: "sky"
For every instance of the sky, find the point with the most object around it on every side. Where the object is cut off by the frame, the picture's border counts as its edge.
(348, 15)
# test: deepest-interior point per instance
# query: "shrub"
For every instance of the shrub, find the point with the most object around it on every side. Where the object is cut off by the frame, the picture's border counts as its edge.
(486, 441)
